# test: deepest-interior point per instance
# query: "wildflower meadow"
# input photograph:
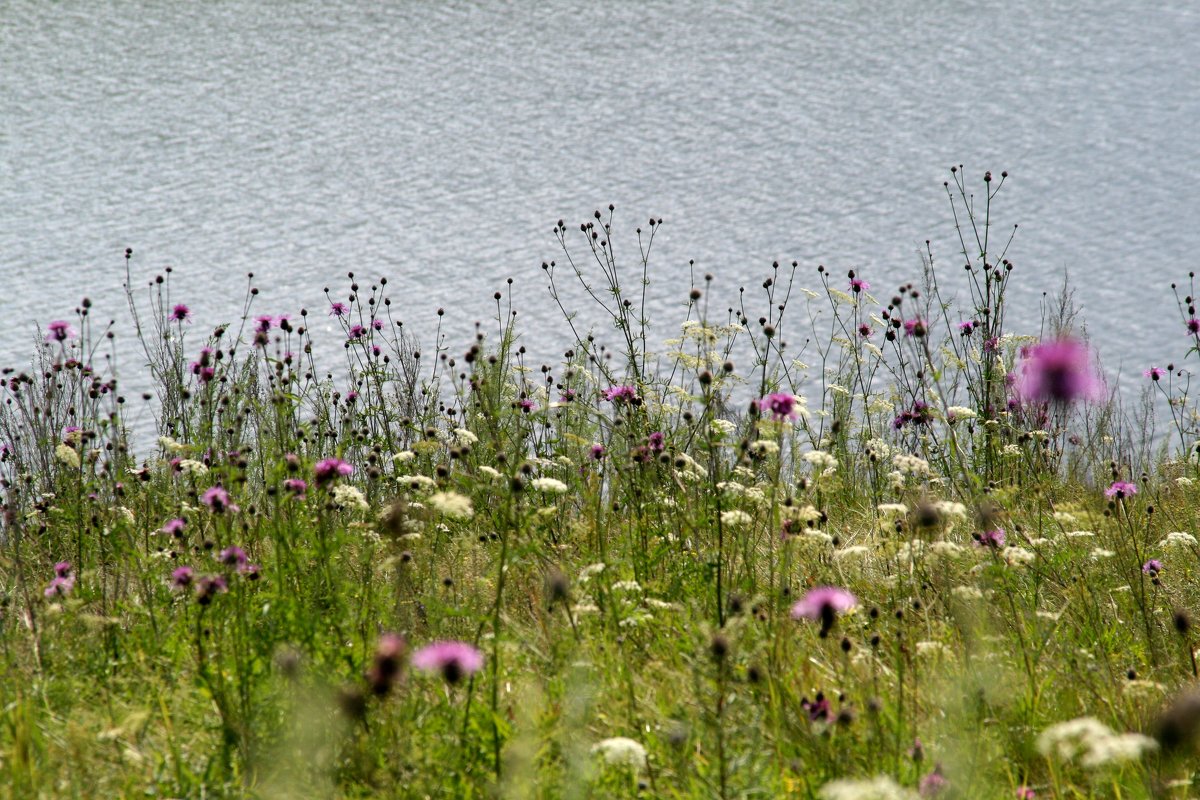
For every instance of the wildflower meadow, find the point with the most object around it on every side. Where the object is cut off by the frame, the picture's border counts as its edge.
(834, 540)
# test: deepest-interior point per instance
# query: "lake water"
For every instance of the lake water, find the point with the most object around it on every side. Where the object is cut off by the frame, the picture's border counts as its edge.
(438, 143)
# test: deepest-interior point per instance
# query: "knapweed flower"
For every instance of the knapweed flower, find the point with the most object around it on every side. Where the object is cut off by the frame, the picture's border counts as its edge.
(657, 442)
(526, 405)
(209, 587)
(780, 406)
(919, 414)
(1155, 373)
(1025, 793)
(596, 452)
(818, 708)
(63, 581)
(1193, 326)
(203, 367)
(621, 751)
(859, 285)
(182, 577)
(915, 327)
(994, 539)
(329, 469)
(1060, 372)
(1152, 567)
(823, 604)
(967, 327)
(387, 663)
(454, 660)
(233, 556)
(174, 527)
(865, 331)
(338, 309)
(181, 313)
(59, 331)
(296, 487)
(217, 499)
(933, 784)
(356, 332)
(620, 394)
(1120, 490)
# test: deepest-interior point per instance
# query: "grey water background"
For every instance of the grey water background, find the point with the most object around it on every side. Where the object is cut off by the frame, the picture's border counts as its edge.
(438, 143)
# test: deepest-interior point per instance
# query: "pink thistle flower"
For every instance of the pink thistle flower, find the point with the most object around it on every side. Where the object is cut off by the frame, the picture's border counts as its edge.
(388, 662)
(780, 405)
(596, 452)
(453, 660)
(1155, 373)
(209, 587)
(1025, 793)
(60, 586)
(1120, 490)
(1059, 372)
(331, 468)
(338, 309)
(915, 327)
(620, 394)
(859, 285)
(966, 328)
(296, 487)
(933, 784)
(1193, 326)
(526, 405)
(657, 442)
(173, 527)
(1152, 567)
(181, 313)
(865, 331)
(994, 539)
(823, 604)
(60, 331)
(217, 499)
(356, 332)
(233, 556)
(182, 577)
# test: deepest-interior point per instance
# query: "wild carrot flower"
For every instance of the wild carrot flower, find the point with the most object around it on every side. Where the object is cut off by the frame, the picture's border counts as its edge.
(621, 751)
(454, 660)
(620, 394)
(181, 313)
(59, 331)
(780, 405)
(182, 577)
(1120, 490)
(217, 499)
(1155, 373)
(1059, 371)
(331, 468)
(823, 604)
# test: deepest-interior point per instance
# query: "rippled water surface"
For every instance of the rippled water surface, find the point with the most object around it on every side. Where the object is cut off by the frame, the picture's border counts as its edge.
(437, 144)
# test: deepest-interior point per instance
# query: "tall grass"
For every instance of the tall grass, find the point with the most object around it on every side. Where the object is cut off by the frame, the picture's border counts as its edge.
(828, 541)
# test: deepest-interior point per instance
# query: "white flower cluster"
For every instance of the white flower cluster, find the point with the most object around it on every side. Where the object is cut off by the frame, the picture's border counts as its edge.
(190, 466)
(67, 455)
(910, 465)
(549, 485)
(417, 483)
(880, 788)
(1092, 742)
(621, 751)
(347, 497)
(736, 518)
(452, 504)
(821, 460)
(956, 413)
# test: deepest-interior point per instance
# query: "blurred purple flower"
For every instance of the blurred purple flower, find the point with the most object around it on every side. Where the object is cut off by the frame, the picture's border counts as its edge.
(1060, 372)
(59, 331)
(330, 469)
(780, 405)
(1120, 490)
(453, 660)
(823, 604)
(181, 313)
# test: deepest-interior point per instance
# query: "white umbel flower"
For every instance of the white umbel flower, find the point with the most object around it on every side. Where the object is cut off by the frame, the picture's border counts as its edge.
(621, 751)
(880, 788)
(452, 504)
(549, 485)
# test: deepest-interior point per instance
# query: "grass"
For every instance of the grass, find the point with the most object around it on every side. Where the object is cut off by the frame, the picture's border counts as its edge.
(631, 555)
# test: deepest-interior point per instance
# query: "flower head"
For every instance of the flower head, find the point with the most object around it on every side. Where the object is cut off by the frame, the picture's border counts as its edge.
(823, 604)
(233, 556)
(1120, 490)
(209, 587)
(859, 285)
(994, 539)
(1193, 326)
(59, 331)
(1152, 567)
(181, 313)
(620, 394)
(330, 469)
(620, 750)
(296, 487)
(967, 327)
(217, 499)
(1155, 373)
(173, 527)
(338, 309)
(182, 577)
(915, 327)
(454, 660)
(1059, 372)
(780, 406)
(387, 664)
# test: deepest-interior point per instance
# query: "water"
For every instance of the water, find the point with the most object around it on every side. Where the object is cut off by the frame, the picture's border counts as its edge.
(437, 144)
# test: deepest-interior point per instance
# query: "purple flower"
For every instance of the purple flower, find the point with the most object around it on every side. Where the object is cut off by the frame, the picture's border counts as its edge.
(338, 309)
(865, 331)
(203, 366)
(656, 442)
(526, 405)
(209, 587)
(596, 452)
(1025, 793)
(919, 414)
(263, 323)
(933, 784)
(217, 499)
(620, 394)
(1120, 490)
(182, 577)
(250, 572)
(994, 539)
(59, 331)
(817, 708)
(296, 486)
(1155, 373)
(823, 604)
(330, 469)
(859, 285)
(567, 396)
(915, 327)
(1193, 326)
(780, 405)
(62, 569)
(61, 586)
(174, 527)
(377, 324)
(233, 556)
(1152, 567)
(453, 659)
(966, 328)
(356, 332)
(181, 313)
(387, 664)
(351, 396)
(1059, 372)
